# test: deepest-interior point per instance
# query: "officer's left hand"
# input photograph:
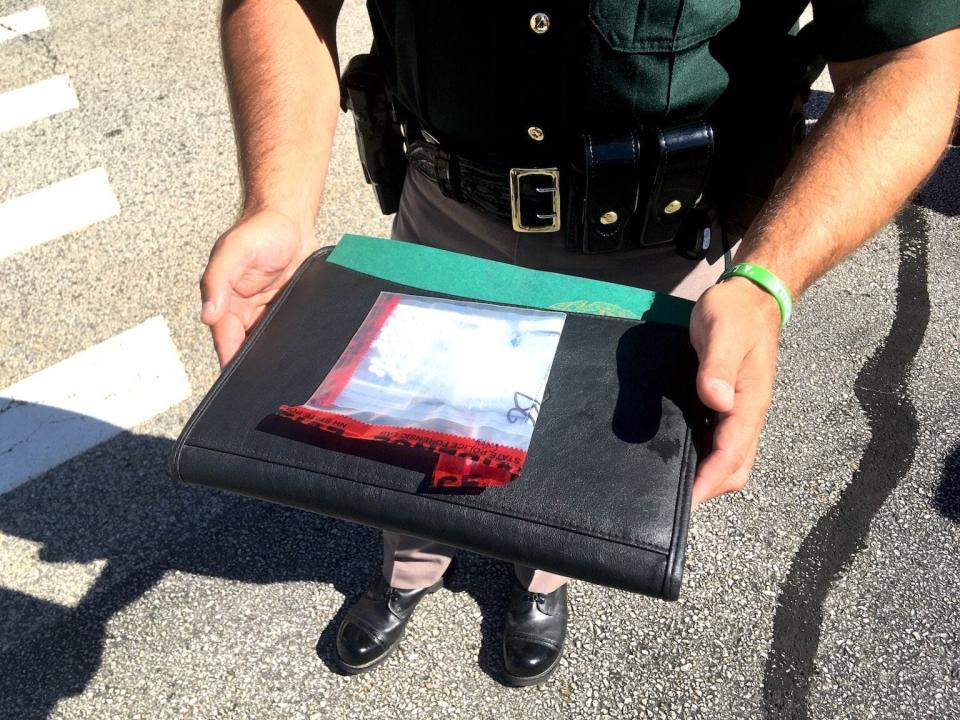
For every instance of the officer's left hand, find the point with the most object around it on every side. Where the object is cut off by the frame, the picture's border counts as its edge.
(734, 328)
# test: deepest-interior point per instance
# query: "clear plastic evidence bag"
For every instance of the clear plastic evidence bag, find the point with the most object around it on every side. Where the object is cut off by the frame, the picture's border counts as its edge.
(464, 380)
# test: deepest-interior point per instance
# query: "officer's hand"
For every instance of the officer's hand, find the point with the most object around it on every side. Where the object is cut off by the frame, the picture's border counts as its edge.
(249, 265)
(734, 329)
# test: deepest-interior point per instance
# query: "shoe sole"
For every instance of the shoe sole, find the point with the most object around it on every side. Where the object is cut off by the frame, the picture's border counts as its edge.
(520, 681)
(358, 669)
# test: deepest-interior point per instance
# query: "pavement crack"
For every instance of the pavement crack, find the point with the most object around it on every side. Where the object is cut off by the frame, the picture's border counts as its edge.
(20, 442)
(829, 548)
(38, 428)
(44, 42)
(9, 405)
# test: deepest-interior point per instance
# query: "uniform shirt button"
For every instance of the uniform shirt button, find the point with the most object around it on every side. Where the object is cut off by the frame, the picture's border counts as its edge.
(535, 133)
(539, 23)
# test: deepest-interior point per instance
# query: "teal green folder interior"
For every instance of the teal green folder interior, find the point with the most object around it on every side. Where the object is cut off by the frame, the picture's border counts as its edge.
(450, 273)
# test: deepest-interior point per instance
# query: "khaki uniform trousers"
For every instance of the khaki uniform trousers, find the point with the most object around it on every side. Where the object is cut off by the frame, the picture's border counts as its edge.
(427, 217)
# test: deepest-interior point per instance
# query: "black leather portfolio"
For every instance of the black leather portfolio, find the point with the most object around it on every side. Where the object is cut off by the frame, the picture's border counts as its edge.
(604, 494)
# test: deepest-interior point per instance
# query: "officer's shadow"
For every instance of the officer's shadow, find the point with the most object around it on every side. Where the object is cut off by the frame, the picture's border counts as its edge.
(116, 503)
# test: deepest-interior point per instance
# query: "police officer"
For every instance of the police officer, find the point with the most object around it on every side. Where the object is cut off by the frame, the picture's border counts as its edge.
(542, 85)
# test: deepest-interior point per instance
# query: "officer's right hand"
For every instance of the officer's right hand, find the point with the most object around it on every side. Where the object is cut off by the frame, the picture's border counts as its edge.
(248, 266)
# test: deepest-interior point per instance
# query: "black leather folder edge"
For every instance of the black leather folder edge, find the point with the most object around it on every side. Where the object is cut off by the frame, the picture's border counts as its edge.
(605, 492)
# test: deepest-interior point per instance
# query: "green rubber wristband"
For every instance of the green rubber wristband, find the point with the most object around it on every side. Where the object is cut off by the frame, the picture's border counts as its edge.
(766, 280)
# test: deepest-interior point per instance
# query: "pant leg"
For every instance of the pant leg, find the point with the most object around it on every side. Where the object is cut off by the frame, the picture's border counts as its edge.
(410, 562)
(539, 581)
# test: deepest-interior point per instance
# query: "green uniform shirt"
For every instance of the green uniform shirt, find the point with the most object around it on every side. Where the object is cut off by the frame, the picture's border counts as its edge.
(521, 80)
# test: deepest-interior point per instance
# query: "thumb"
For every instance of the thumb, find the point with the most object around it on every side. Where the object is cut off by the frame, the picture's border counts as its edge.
(225, 266)
(721, 353)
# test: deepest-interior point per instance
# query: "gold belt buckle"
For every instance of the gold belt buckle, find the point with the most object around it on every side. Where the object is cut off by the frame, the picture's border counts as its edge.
(516, 174)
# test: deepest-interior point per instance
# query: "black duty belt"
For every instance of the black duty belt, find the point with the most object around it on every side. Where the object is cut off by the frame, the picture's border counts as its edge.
(630, 190)
(528, 197)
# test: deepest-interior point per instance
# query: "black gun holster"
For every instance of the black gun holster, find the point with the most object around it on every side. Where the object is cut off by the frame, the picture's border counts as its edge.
(363, 91)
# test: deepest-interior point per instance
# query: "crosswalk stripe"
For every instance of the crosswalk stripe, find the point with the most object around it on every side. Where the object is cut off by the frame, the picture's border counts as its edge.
(23, 23)
(84, 400)
(25, 105)
(58, 209)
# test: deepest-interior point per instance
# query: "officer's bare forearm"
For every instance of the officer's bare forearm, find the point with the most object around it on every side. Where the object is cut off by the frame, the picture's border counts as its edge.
(281, 71)
(881, 136)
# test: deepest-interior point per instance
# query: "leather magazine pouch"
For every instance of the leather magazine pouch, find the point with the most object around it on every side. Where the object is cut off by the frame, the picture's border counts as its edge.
(605, 188)
(635, 190)
(685, 153)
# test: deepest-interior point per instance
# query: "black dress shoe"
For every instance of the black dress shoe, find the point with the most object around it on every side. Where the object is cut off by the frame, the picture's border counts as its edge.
(373, 627)
(536, 627)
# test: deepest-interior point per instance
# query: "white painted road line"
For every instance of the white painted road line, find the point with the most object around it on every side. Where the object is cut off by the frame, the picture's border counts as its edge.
(78, 403)
(23, 22)
(48, 213)
(43, 99)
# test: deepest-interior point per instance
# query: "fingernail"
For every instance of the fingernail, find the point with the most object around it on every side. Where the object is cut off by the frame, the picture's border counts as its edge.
(722, 389)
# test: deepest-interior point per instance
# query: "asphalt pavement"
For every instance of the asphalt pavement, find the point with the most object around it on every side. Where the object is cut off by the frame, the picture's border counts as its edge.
(828, 589)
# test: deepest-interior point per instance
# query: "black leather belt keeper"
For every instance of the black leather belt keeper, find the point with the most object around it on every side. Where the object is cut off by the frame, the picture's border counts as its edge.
(636, 189)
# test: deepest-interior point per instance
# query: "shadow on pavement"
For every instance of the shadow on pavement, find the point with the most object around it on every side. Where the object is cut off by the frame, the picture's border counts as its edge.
(940, 192)
(487, 581)
(947, 497)
(882, 389)
(116, 503)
